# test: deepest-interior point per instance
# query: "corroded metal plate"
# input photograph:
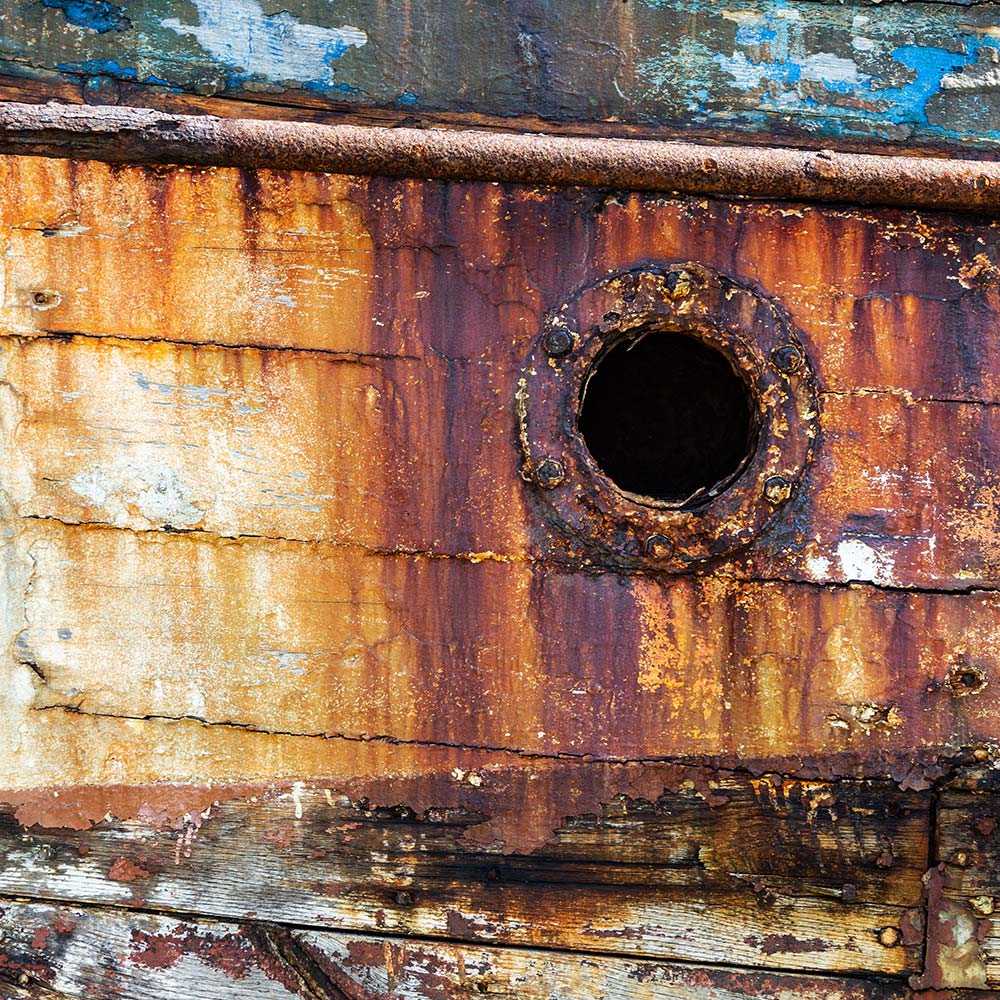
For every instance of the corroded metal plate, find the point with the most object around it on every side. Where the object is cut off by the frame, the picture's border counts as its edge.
(635, 531)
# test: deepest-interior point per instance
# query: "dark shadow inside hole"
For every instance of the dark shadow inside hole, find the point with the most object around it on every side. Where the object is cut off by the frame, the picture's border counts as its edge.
(666, 416)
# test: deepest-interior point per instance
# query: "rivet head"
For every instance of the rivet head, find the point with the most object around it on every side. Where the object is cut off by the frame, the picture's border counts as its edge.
(550, 473)
(787, 359)
(889, 937)
(558, 342)
(982, 906)
(777, 489)
(659, 547)
(45, 298)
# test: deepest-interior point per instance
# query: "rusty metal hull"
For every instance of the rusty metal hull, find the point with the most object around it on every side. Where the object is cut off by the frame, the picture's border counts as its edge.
(279, 593)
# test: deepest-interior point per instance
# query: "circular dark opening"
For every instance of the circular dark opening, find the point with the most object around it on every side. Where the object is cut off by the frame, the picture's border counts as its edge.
(666, 416)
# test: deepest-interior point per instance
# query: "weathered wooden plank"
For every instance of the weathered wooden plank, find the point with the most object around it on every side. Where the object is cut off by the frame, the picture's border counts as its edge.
(886, 300)
(963, 949)
(790, 875)
(307, 639)
(304, 446)
(70, 952)
(415, 970)
(906, 73)
(897, 313)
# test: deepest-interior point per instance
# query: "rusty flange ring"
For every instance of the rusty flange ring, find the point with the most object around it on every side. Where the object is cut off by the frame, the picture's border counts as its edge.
(762, 345)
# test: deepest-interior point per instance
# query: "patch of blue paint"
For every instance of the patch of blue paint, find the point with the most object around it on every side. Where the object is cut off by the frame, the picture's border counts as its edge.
(929, 64)
(95, 69)
(406, 98)
(100, 67)
(97, 15)
(755, 34)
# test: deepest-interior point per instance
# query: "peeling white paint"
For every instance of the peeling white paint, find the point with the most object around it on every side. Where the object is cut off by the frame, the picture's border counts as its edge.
(981, 77)
(818, 568)
(825, 67)
(152, 488)
(861, 563)
(277, 47)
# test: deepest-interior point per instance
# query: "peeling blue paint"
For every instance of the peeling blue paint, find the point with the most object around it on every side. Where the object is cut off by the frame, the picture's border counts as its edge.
(98, 70)
(274, 47)
(929, 65)
(898, 72)
(97, 15)
(784, 60)
(755, 34)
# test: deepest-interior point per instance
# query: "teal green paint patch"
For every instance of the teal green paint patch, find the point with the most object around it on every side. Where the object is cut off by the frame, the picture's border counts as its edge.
(274, 48)
(897, 72)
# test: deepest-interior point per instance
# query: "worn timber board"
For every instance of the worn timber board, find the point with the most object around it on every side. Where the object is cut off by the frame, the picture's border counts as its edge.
(291, 640)
(911, 73)
(51, 952)
(752, 872)
(963, 948)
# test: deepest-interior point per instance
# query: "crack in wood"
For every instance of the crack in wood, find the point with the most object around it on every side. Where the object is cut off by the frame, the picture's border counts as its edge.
(555, 565)
(279, 940)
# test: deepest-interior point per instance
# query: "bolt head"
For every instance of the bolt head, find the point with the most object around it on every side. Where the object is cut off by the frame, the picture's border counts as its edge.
(777, 489)
(889, 937)
(678, 284)
(659, 547)
(558, 342)
(787, 359)
(550, 473)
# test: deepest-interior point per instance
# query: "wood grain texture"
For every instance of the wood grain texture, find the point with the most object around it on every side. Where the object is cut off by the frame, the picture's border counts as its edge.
(56, 953)
(415, 970)
(963, 945)
(897, 73)
(231, 506)
(70, 952)
(331, 641)
(763, 873)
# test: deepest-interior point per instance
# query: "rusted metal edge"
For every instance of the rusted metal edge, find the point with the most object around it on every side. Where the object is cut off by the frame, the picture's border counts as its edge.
(141, 135)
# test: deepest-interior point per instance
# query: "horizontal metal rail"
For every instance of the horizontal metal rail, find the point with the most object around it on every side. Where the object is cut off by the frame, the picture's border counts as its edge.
(139, 135)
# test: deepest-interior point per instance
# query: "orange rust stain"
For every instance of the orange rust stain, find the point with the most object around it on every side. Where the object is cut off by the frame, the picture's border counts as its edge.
(203, 255)
(398, 585)
(123, 870)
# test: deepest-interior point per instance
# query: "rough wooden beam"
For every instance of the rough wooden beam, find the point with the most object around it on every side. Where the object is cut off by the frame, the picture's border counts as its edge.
(770, 873)
(899, 72)
(963, 945)
(65, 952)
(129, 135)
